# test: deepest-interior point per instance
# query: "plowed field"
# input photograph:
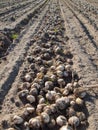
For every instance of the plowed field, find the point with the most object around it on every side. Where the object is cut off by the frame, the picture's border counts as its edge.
(48, 64)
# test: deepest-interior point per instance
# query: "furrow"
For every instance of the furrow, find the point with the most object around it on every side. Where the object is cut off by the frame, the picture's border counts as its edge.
(87, 69)
(16, 57)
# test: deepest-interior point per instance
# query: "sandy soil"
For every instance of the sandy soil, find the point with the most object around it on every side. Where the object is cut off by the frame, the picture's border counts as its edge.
(47, 24)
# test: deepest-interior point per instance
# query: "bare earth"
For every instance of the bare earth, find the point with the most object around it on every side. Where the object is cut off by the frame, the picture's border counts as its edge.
(72, 24)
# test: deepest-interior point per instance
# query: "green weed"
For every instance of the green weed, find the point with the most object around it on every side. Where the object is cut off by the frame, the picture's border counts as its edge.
(14, 36)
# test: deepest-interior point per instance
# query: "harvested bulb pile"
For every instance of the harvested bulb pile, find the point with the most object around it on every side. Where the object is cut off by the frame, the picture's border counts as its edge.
(53, 99)
(50, 91)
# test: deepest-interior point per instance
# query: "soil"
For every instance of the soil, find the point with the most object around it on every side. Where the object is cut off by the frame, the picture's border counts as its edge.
(72, 24)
